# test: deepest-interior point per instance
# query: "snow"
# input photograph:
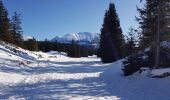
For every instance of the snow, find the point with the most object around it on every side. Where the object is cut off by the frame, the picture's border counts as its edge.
(137, 86)
(26, 38)
(56, 53)
(83, 38)
(54, 76)
(165, 44)
(160, 71)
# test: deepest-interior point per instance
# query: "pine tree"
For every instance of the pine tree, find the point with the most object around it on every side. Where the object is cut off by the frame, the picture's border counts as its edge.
(31, 45)
(130, 45)
(16, 29)
(83, 51)
(154, 23)
(112, 41)
(5, 34)
(71, 51)
(34, 44)
(74, 50)
(148, 21)
(77, 50)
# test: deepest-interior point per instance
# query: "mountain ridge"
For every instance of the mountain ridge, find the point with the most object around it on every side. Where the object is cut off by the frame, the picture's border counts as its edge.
(82, 38)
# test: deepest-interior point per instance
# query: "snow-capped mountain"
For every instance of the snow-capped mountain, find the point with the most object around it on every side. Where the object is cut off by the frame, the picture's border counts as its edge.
(26, 38)
(83, 38)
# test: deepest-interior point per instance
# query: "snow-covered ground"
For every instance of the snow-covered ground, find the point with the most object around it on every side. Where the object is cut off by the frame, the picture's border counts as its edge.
(29, 75)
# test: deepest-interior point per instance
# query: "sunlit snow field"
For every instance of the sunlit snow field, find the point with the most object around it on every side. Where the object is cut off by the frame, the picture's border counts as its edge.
(29, 75)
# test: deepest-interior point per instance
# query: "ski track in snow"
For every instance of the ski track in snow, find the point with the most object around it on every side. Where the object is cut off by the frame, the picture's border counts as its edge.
(64, 78)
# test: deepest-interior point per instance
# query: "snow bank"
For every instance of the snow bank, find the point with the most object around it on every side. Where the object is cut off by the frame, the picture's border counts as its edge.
(8, 51)
(160, 71)
(137, 86)
(58, 54)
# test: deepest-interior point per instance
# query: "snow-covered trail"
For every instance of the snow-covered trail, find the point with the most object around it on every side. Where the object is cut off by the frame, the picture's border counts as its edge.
(64, 79)
(26, 75)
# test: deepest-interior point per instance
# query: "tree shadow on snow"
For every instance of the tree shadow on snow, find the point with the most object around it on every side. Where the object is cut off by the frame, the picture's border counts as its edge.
(53, 67)
(56, 89)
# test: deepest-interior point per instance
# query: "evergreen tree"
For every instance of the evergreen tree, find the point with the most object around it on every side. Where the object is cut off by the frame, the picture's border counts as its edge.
(5, 34)
(112, 41)
(16, 29)
(130, 45)
(71, 52)
(83, 51)
(77, 50)
(34, 44)
(31, 45)
(132, 63)
(154, 18)
(74, 50)
(148, 21)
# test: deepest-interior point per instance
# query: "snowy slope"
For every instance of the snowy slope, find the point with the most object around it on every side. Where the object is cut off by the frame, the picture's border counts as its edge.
(37, 75)
(137, 86)
(81, 37)
(26, 75)
(11, 52)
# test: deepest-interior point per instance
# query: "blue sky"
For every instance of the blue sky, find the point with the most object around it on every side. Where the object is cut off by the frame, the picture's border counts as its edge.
(48, 18)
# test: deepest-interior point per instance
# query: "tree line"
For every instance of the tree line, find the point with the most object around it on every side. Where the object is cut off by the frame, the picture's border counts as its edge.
(73, 49)
(136, 45)
(139, 45)
(154, 18)
(11, 32)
